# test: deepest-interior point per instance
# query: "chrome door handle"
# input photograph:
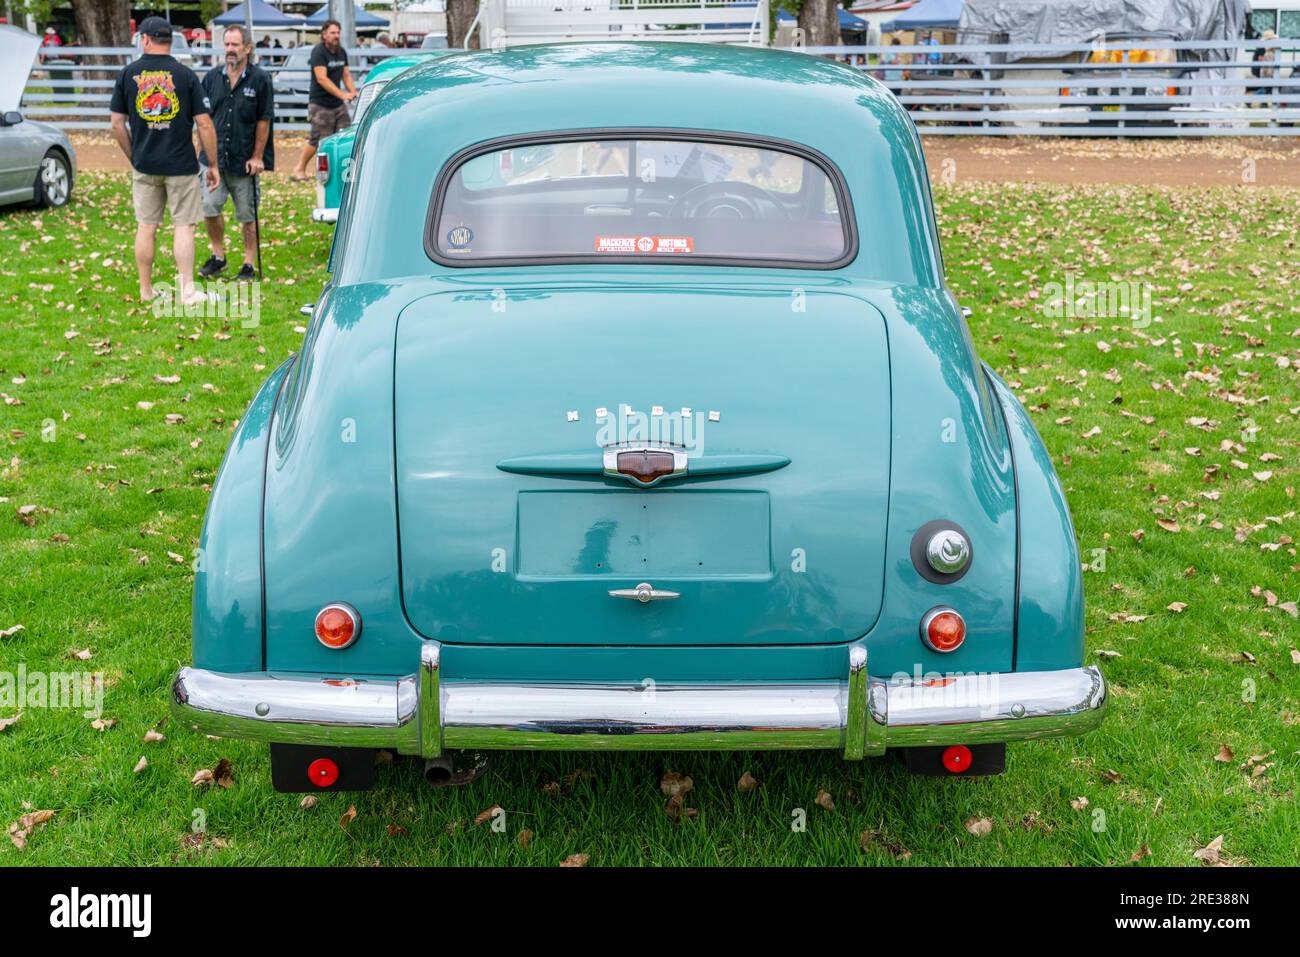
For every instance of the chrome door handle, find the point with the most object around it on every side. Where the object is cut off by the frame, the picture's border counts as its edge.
(644, 592)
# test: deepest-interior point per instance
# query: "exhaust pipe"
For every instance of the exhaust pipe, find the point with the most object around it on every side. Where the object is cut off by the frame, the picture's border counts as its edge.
(455, 768)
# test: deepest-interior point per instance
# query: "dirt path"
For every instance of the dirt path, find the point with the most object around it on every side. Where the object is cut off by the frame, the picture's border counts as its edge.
(1170, 162)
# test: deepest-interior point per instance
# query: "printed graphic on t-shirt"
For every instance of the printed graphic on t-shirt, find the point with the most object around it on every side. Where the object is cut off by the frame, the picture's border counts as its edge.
(156, 101)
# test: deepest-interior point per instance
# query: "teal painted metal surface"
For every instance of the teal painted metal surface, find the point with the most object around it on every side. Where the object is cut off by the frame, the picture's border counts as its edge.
(873, 392)
(226, 616)
(1051, 577)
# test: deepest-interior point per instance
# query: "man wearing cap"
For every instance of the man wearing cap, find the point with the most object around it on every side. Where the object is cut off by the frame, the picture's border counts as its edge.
(242, 97)
(327, 99)
(156, 104)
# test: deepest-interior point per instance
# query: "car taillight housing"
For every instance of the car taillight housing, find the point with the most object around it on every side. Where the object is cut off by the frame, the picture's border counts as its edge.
(338, 625)
(943, 629)
(322, 168)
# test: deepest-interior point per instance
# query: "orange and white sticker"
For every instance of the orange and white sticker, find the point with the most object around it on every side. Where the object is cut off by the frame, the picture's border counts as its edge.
(645, 244)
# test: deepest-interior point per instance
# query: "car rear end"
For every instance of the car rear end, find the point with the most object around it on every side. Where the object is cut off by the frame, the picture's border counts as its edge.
(657, 439)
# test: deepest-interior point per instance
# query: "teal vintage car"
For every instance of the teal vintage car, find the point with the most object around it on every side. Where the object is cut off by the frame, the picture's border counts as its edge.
(636, 415)
(334, 155)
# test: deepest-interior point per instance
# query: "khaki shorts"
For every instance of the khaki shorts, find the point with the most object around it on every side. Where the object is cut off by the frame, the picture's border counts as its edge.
(326, 121)
(152, 193)
(239, 188)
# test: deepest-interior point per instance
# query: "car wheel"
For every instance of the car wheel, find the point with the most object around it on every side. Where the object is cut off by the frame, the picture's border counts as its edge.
(53, 180)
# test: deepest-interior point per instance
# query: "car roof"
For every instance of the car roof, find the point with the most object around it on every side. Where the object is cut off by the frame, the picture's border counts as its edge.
(772, 90)
(396, 64)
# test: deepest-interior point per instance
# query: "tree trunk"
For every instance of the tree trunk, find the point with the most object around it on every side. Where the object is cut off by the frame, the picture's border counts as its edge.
(103, 23)
(460, 14)
(820, 23)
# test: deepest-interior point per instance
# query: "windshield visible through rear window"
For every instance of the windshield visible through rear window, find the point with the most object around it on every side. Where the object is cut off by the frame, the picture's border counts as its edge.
(643, 200)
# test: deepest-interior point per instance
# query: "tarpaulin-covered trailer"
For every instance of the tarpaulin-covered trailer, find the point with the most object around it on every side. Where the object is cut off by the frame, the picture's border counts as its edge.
(1070, 22)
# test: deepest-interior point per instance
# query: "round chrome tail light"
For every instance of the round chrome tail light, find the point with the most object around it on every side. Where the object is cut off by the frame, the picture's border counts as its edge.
(943, 629)
(338, 625)
(947, 551)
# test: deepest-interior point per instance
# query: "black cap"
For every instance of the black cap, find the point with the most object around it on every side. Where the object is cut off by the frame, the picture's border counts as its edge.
(157, 28)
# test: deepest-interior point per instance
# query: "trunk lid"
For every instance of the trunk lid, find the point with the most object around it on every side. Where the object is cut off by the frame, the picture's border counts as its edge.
(509, 531)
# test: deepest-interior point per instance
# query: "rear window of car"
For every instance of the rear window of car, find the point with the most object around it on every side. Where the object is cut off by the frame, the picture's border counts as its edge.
(642, 198)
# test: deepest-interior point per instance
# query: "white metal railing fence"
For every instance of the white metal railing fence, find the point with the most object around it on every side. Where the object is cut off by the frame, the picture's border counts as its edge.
(1213, 88)
(1208, 87)
(72, 88)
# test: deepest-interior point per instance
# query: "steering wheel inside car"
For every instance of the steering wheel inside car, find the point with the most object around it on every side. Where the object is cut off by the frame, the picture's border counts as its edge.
(727, 200)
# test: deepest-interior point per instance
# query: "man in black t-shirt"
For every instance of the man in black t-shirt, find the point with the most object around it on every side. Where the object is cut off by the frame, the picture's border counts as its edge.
(243, 109)
(156, 104)
(331, 90)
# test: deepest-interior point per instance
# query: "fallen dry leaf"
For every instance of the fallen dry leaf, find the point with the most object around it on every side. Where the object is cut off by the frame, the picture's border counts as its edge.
(1141, 852)
(1211, 854)
(486, 815)
(153, 737)
(1079, 803)
(348, 817)
(103, 724)
(1225, 754)
(202, 776)
(979, 826)
(9, 722)
(141, 764)
(676, 807)
(869, 839)
(824, 800)
(748, 782)
(525, 838)
(673, 783)
(222, 773)
(575, 860)
(1177, 606)
(309, 802)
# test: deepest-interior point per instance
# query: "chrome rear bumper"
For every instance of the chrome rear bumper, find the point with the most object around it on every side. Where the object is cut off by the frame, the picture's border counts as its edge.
(422, 715)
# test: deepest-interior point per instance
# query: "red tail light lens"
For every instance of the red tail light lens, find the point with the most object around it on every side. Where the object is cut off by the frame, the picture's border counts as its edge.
(323, 772)
(942, 629)
(337, 625)
(957, 759)
(322, 167)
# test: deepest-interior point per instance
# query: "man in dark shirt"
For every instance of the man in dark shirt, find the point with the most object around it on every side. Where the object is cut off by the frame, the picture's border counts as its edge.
(331, 89)
(242, 109)
(163, 101)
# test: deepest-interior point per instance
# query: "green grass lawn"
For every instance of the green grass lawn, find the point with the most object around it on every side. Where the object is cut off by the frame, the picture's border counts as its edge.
(102, 565)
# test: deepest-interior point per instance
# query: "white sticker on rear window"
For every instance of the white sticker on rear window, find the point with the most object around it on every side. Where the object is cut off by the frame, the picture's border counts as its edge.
(645, 244)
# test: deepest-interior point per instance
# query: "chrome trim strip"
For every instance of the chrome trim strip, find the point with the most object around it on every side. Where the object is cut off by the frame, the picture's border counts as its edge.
(421, 714)
(855, 707)
(430, 700)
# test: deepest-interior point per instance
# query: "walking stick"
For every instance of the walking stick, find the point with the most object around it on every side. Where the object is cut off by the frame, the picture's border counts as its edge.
(257, 224)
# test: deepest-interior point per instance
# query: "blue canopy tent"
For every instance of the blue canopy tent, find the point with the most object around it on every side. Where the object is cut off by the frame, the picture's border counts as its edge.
(264, 16)
(848, 22)
(365, 19)
(933, 14)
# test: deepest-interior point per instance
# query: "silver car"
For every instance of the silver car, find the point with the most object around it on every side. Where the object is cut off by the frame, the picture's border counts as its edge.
(37, 162)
